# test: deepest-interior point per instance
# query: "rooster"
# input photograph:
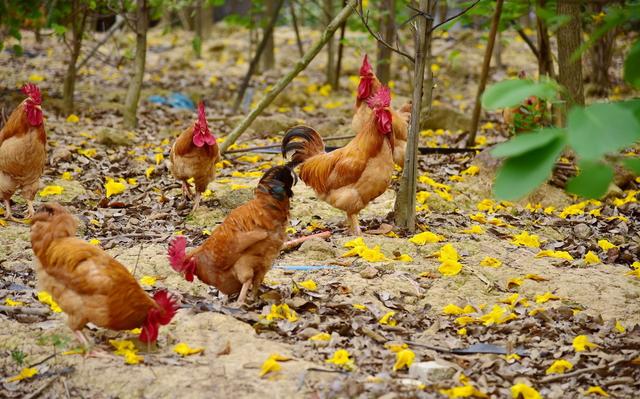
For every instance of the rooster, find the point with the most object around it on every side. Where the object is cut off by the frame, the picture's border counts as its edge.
(242, 249)
(23, 153)
(88, 284)
(369, 84)
(352, 176)
(194, 155)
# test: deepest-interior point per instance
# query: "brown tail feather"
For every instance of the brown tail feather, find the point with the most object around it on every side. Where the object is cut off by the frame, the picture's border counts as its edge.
(309, 144)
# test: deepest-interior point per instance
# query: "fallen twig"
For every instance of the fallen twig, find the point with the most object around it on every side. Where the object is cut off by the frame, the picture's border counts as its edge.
(588, 369)
(266, 147)
(297, 241)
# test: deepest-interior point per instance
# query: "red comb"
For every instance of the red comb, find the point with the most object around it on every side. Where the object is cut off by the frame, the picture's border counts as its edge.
(168, 303)
(365, 68)
(33, 92)
(381, 99)
(201, 133)
(157, 317)
(177, 255)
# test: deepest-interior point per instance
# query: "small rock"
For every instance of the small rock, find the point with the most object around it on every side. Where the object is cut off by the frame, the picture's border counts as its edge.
(318, 249)
(113, 137)
(582, 231)
(369, 272)
(59, 154)
(307, 333)
(431, 372)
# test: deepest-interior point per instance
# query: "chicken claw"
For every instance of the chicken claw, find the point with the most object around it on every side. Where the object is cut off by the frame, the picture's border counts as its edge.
(186, 190)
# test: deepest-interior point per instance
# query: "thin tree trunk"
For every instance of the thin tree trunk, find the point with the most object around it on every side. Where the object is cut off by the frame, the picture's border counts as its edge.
(330, 68)
(135, 86)
(269, 57)
(78, 24)
(568, 42)
(285, 80)
(444, 10)
(545, 61)
(601, 54)
(498, 51)
(405, 205)
(206, 20)
(266, 37)
(343, 28)
(475, 119)
(294, 20)
(388, 28)
(197, 28)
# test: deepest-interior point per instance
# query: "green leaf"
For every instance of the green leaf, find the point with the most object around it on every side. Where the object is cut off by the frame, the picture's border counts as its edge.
(633, 164)
(601, 128)
(510, 93)
(632, 66)
(593, 180)
(526, 142)
(520, 175)
(58, 29)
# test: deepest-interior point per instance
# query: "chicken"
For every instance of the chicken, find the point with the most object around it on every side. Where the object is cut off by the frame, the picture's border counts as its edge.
(242, 249)
(369, 84)
(23, 154)
(352, 176)
(88, 284)
(193, 155)
(526, 116)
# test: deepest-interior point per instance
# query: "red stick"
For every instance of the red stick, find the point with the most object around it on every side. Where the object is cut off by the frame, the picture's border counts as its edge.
(297, 241)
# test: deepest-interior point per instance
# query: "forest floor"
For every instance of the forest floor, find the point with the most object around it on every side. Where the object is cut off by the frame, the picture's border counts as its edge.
(525, 312)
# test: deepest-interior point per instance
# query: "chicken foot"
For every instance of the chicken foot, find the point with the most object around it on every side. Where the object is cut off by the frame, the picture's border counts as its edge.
(7, 210)
(196, 203)
(243, 292)
(186, 190)
(84, 341)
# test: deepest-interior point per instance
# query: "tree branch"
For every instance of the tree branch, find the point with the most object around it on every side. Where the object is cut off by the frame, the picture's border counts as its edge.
(365, 22)
(455, 16)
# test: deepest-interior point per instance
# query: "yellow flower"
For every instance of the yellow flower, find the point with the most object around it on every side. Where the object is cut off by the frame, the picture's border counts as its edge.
(321, 337)
(475, 229)
(159, 158)
(122, 346)
(309, 108)
(426, 237)
(404, 258)
(471, 171)
(234, 187)
(325, 90)
(464, 320)
(148, 280)
(496, 316)
(309, 285)
(547, 253)
(51, 190)
(184, 349)
(10, 302)
(448, 253)
(464, 391)
(395, 348)
(89, 152)
(559, 367)
(590, 258)
(486, 205)
(66, 176)
(359, 306)
(462, 331)
(113, 187)
(546, 297)
(549, 210)
(478, 217)
(73, 118)
(457, 310)
(450, 268)
(435, 68)
(582, 343)
(333, 104)
(47, 299)
(282, 312)
(606, 245)
(512, 300)
(422, 196)
(404, 358)
(514, 282)
(269, 366)
(619, 327)
(512, 356)
(359, 248)
(25, 373)
(597, 390)
(388, 319)
(524, 391)
(444, 195)
(342, 358)
(34, 77)
(490, 262)
(526, 239)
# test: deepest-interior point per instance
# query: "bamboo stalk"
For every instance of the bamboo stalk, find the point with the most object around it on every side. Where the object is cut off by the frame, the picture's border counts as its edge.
(285, 80)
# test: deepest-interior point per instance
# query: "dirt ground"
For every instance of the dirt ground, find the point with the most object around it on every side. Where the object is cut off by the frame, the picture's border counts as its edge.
(591, 299)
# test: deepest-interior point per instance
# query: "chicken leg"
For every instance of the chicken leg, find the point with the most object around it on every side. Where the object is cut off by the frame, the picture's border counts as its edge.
(196, 202)
(354, 225)
(84, 341)
(30, 210)
(7, 210)
(243, 292)
(186, 190)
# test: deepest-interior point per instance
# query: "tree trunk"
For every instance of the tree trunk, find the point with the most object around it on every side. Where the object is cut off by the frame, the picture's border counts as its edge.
(133, 93)
(601, 54)
(545, 61)
(568, 42)
(330, 68)
(285, 80)
(498, 51)
(197, 28)
(444, 10)
(206, 20)
(253, 65)
(343, 28)
(475, 119)
(294, 21)
(268, 57)
(78, 22)
(388, 30)
(405, 205)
